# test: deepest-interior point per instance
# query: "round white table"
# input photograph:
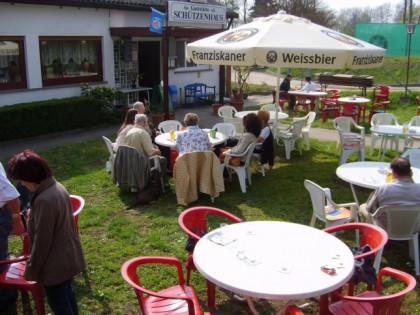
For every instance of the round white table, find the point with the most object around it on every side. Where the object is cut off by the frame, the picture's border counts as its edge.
(280, 115)
(164, 139)
(282, 260)
(394, 130)
(367, 174)
(314, 94)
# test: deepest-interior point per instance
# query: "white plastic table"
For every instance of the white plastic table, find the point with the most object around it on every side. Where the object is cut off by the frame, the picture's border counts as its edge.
(367, 174)
(283, 261)
(394, 130)
(164, 139)
(314, 94)
(280, 115)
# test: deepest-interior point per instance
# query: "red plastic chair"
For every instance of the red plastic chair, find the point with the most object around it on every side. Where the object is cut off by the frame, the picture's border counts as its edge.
(179, 299)
(293, 310)
(381, 93)
(350, 110)
(372, 302)
(193, 221)
(304, 102)
(378, 108)
(12, 277)
(77, 204)
(370, 234)
(329, 105)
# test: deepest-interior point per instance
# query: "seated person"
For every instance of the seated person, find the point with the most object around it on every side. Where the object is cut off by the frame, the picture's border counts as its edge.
(125, 127)
(265, 141)
(138, 138)
(284, 89)
(141, 109)
(193, 138)
(401, 191)
(310, 86)
(252, 125)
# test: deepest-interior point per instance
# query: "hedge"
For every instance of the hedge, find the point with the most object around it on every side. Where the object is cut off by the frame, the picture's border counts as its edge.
(43, 117)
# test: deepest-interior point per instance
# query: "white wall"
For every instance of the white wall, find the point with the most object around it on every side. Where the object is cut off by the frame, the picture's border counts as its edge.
(32, 21)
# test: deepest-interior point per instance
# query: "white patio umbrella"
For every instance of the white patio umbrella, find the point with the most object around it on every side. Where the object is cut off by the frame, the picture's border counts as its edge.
(284, 40)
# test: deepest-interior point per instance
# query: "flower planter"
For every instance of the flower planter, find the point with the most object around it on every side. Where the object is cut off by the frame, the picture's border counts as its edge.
(157, 118)
(238, 104)
(216, 107)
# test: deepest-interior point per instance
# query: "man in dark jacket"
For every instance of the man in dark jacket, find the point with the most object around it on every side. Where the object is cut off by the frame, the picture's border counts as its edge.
(284, 88)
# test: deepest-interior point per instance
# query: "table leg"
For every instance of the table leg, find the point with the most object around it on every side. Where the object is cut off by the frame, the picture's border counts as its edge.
(211, 294)
(251, 305)
(323, 305)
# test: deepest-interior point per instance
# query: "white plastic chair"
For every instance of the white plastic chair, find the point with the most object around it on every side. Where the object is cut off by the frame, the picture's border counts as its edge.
(322, 204)
(239, 126)
(243, 171)
(227, 129)
(290, 136)
(271, 108)
(401, 223)
(227, 111)
(415, 121)
(305, 130)
(413, 156)
(168, 125)
(109, 165)
(351, 142)
(383, 119)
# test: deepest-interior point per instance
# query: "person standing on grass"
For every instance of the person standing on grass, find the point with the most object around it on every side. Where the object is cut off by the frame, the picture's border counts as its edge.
(9, 219)
(56, 254)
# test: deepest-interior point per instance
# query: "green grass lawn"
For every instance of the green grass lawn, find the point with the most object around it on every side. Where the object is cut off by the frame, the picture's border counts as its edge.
(111, 234)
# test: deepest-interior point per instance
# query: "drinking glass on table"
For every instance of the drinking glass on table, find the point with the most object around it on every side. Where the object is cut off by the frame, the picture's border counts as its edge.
(172, 134)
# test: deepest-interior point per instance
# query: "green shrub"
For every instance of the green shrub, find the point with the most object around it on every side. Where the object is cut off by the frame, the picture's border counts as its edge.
(38, 118)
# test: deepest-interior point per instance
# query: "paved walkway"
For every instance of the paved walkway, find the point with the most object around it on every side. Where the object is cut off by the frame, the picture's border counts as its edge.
(205, 113)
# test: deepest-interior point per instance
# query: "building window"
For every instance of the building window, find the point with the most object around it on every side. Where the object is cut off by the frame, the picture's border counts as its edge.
(66, 60)
(12, 63)
(181, 55)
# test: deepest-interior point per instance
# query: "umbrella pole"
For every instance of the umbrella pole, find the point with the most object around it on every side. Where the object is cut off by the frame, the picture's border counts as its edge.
(277, 97)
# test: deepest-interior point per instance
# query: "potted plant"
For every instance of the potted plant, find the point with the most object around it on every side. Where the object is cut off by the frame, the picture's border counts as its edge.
(155, 108)
(242, 74)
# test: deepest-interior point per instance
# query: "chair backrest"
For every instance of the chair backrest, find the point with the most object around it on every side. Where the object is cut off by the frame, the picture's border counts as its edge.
(197, 171)
(415, 121)
(132, 168)
(77, 203)
(309, 120)
(174, 302)
(371, 235)
(239, 126)
(384, 119)
(271, 107)
(227, 111)
(319, 197)
(375, 303)
(194, 220)
(344, 126)
(413, 156)
(248, 154)
(227, 129)
(297, 126)
(168, 125)
(400, 222)
(110, 148)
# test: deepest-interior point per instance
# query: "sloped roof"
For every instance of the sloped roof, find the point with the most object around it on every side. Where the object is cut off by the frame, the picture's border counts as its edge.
(128, 5)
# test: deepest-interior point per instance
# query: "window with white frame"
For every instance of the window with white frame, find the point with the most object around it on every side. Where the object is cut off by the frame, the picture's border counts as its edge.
(66, 60)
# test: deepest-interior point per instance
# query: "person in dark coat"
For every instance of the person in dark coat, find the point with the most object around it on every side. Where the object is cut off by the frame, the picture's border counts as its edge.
(265, 141)
(284, 88)
(56, 254)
